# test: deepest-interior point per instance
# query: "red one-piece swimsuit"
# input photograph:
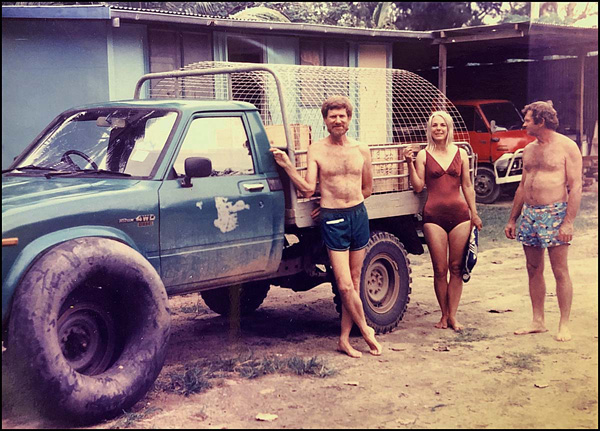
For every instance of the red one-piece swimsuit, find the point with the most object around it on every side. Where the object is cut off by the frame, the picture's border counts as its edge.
(445, 205)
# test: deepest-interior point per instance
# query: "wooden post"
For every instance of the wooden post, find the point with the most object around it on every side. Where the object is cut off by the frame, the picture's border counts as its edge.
(580, 104)
(442, 63)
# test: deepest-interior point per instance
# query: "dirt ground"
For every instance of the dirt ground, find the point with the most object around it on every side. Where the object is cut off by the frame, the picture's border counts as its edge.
(485, 377)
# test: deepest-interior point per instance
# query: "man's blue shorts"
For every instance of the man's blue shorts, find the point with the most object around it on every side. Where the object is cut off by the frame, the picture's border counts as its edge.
(540, 224)
(346, 228)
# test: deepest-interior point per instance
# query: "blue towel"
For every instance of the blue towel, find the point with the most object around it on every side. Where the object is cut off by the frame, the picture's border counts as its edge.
(471, 255)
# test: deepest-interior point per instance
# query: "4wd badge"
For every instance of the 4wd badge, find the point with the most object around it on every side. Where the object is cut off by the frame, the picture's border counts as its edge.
(142, 220)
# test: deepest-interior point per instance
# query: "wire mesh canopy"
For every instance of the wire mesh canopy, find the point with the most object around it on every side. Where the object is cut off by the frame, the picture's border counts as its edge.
(391, 106)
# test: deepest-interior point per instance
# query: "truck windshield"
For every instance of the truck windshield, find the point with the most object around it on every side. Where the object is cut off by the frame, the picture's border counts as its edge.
(505, 114)
(118, 141)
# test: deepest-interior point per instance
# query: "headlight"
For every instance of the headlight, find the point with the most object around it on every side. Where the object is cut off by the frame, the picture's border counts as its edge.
(502, 164)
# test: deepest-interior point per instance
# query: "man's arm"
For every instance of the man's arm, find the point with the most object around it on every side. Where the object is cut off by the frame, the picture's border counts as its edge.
(367, 171)
(510, 230)
(469, 190)
(574, 171)
(306, 186)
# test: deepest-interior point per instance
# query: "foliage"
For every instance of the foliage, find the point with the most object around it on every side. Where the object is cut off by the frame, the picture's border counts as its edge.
(438, 15)
(419, 16)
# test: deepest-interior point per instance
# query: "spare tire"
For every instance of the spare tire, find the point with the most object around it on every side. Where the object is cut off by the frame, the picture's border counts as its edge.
(88, 330)
(384, 282)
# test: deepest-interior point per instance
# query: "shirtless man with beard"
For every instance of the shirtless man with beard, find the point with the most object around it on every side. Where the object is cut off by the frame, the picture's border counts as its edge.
(343, 169)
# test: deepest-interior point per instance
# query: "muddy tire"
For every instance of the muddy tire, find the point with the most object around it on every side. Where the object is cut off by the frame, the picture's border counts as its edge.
(384, 282)
(486, 189)
(240, 299)
(88, 330)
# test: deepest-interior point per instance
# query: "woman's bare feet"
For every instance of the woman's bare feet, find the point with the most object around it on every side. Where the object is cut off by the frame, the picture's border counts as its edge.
(442, 324)
(563, 333)
(374, 346)
(345, 347)
(535, 328)
(454, 324)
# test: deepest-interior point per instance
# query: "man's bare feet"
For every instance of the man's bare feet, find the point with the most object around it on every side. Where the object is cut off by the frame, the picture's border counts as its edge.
(345, 347)
(442, 324)
(454, 324)
(535, 328)
(374, 346)
(563, 334)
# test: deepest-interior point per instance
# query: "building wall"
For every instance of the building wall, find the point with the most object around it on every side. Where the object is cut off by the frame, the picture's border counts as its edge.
(47, 67)
(127, 59)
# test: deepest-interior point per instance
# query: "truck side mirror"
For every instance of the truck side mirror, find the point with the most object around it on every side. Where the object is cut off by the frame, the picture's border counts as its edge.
(196, 167)
(493, 126)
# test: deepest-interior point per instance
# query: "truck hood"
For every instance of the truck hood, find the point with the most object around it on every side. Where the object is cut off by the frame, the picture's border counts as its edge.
(20, 191)
(513, 140)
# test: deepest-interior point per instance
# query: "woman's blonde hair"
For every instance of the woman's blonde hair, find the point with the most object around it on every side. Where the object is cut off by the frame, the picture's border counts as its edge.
(449, 123)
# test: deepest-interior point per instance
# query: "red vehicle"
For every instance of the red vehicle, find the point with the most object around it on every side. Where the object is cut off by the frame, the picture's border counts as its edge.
(497, 137)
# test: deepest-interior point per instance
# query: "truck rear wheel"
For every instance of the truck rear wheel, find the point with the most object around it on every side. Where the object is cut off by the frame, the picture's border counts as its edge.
(88, 329)
(240, 298)
(384, 284)
(486, 189)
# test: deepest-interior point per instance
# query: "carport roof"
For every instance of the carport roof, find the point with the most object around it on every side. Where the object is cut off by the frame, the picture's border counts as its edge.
(480, 44)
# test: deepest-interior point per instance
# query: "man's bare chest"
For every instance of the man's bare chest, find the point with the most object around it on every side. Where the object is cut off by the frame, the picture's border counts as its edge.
(341, 161)
(544, 161)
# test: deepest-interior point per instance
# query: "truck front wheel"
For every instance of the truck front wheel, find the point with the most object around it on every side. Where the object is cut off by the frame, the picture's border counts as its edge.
(486, 189)
(88, 330)
(384, 282)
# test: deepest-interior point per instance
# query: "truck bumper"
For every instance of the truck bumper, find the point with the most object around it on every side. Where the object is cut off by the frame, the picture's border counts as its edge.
(509, 168)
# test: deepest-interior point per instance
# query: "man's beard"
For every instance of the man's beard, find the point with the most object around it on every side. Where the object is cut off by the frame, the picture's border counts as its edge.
(338, 132)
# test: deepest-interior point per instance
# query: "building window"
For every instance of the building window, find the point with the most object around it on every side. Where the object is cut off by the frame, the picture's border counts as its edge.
(172, 50)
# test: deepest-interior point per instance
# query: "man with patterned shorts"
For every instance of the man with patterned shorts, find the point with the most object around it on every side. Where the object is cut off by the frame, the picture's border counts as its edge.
(548, 199)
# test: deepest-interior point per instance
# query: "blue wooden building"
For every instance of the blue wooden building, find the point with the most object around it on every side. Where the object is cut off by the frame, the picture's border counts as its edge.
(56, 57)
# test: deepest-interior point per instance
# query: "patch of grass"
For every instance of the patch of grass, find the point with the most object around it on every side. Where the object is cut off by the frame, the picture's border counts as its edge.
(470, 335)
(191, 309)
(196, 377)
(130, 419)
(520, 361)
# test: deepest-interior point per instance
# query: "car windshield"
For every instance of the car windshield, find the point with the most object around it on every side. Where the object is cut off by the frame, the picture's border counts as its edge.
(505, 114)
(122, 141)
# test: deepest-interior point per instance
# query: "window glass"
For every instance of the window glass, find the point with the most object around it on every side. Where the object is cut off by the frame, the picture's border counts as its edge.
(221, 139)
(505, 114)
(479, 124)
(468, 115)
(126, 141)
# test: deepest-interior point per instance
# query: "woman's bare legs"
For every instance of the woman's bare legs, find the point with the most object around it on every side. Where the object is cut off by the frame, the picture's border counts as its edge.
(437, 244)
(458, 238)
(447, 253)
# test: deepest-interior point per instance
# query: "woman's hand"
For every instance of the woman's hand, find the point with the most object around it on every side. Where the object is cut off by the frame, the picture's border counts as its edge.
(476, 221)
(407, 153)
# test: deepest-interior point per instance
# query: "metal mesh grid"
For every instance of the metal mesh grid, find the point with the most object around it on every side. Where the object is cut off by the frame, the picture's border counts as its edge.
(391, 107)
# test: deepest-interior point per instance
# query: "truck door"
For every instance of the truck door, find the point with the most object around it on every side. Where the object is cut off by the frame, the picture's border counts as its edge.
(223, 225)
(479, 133)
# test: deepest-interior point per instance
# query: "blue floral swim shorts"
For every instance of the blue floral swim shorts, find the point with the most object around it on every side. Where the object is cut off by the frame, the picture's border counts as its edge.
(540, 223)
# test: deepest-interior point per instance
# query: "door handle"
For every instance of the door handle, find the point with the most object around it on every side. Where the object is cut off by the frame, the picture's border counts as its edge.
(254, 187)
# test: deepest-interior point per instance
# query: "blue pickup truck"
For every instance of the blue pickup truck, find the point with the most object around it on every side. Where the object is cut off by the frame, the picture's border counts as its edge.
(117, 206)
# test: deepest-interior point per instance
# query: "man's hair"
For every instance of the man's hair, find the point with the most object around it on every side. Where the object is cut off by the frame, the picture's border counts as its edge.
(336, 102)
(542, 111)
(450, 127)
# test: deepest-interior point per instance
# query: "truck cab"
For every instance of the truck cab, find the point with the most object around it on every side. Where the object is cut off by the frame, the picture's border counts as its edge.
(497, 137)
